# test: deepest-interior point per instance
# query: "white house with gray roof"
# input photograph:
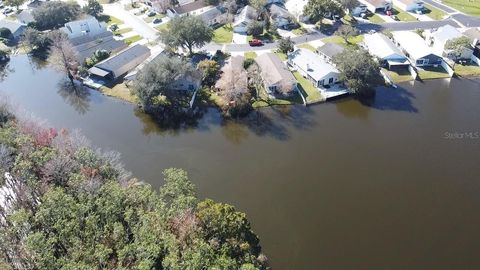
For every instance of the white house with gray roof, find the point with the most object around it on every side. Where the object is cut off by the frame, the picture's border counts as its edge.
(382, 47)
(416, 49)
(89, 26)
(240, 24)
(311, 66)
(410, 5)
(277, 79)
(377, 5)
(329, 50)
(438, 38)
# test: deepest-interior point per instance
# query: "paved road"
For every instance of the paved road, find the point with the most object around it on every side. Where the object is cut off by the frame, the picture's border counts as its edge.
(440, 6)
(467, 21)
(362, 27)
(137, 24)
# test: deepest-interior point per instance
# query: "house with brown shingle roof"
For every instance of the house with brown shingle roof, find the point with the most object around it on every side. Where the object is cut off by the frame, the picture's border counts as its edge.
(277, 78)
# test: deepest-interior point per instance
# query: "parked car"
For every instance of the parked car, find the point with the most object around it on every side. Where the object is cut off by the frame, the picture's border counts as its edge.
(255, 42)
(157, 20)
(151, 13)
(7, 11)
(388, 13)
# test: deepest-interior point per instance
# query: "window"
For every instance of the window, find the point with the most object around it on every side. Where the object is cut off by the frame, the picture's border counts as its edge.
(330, 81)
(420, 62)
(320, 83)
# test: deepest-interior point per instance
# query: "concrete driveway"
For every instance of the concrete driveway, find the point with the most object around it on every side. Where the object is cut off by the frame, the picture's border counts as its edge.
(239, 38)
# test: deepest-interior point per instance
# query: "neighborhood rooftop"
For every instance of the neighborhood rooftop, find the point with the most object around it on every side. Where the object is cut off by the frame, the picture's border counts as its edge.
(380, 45)
(412, 43)
(13, 26)
(315, 66)
(272, 69)
(330, 49)
(190, 7)
(445, 33)
(118, 61)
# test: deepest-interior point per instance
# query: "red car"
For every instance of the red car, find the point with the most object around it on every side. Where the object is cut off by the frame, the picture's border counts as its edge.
(255, 42)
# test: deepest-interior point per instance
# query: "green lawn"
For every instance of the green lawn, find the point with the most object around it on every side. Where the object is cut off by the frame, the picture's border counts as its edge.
(471, 7)
(347, 19)
(403, 15)
(280, 55)
(467, 70)
(307, 46)
(429, 73)
(299, 31)
(265, 36)
(109, 19)
(120, 91)
(433, 12)
(399, 76)
(374, 18)
(339, 40)
(310, 92)
(250, 55)
(122, 31)
(223, 34)
(163, 27)
(150, 19)
(265, 101)
(132, 39)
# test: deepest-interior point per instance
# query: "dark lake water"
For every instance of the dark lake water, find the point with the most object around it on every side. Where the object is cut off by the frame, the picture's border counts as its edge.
(340, 185)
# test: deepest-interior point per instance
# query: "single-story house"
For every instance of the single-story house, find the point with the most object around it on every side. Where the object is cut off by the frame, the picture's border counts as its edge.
(25, 16)
(188, 83)
(474, 35)
(16, 28)
(410, 5)
(246, 15)
(85, 46)
(415, 48)
(329, 50)
(214, 16)
(358, 10)
(276, 77)
(377, 5)
(120, 64)
(382, 47)
(281, 17)
(311, 66)
(438, 39)
(85, 27)
(192, 8)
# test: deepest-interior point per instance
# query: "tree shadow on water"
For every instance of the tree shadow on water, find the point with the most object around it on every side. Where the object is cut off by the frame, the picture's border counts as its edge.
(391, 99)
(76, 95)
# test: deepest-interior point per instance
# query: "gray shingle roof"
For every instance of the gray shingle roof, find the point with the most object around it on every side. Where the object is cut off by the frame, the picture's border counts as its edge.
(330, 49)
(273, 70)
(190, 7)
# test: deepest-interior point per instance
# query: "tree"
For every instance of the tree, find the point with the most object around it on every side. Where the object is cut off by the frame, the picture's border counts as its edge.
(15, 3)
(63, 56)
(5, 33)
(93, 8)
(285, 45)
(55, 14)
(255, 28)
(97, 56)
(258, 5)
(35, 40)
(233, 87)
(187, 32)
(359, 71)
(210, 69)
(346, 32)
(349, 4)
(316, 10)
(457, 46)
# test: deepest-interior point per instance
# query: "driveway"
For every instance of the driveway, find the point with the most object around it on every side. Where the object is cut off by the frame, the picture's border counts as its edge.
(138, 24)
(239, 38)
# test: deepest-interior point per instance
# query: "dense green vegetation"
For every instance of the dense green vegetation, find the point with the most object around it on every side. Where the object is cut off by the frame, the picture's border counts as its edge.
(77, 208)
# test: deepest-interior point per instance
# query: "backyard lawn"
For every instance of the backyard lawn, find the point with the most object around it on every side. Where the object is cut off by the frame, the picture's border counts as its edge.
(398, 76)
(403, 15)
(429, 73)
(265, 101)
(120, 91)
(223, 34)
(471, 7)
(110, 19)
(132, 39)
(433, 12)
(467, 70)
(309, 92)
(250, 55)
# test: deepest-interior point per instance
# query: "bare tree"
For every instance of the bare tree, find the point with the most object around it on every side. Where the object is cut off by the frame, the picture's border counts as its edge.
(63, 56)
(233, 83)
(346, 32)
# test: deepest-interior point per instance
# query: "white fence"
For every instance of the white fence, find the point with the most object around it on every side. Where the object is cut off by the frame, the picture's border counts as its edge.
(447, 67)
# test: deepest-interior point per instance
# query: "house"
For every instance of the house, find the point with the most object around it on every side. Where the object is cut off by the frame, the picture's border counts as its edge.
(192, 8)
(415, 48)
(311, 66)
(281, 16)
(120, 64)
(438, 38)
(85, 46)
(188, 83)
(276, 77)
(410, 5)
(25, 16)
(85, 27)
(214, 16)
(233, 68)
(474, 35)
(247, 14)
(358, 10)
(329, 50)
(382, 47)
(377, 5)
(16, 28)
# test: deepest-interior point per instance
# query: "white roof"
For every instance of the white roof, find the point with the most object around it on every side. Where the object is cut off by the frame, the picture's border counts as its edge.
(312, 64)
(379, 45)
(412, 43)
(445, 33)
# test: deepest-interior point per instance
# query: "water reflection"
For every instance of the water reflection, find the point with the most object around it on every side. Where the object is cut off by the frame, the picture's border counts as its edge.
(76, 95)
(392, 99)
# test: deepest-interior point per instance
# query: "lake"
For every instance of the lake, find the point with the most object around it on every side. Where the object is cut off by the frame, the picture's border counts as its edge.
(394, 184)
